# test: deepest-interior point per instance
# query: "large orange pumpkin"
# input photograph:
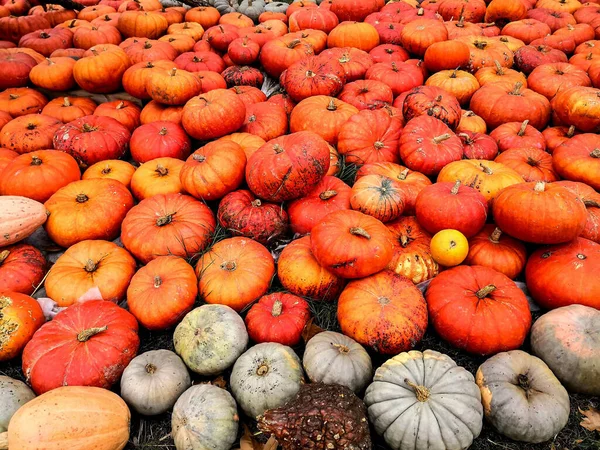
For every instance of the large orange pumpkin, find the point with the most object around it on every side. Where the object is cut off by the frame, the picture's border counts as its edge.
(20, 101)
(496, 250)
(172, 224)
(68, 109)
(235, 272)
(578, 159)
(101, 72)
(157, 176)
(56, 74)
(531, 163)
(22, 268)
(29, 133)
(20, 317)
(384, 311)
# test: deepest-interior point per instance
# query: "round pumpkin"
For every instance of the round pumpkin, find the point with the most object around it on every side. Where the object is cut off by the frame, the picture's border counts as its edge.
(266, 376)
(68, 109)
(113, 169)
(100, 71)
(210, 339)
(384, 311)
(20, 318)
(235, 272)
(416, 398)
(88, 344)
(378, 196)
(158, 176)
(22, 268)
(87, 209)
(13, 395)
(28, 133)
(153, 381)
(521, 397)
(162, 292)
(578, 106)
(567, 340)
(578, 159)
(157, 140)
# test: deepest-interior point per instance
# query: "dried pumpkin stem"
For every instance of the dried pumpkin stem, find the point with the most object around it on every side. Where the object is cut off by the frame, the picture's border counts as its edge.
(421, 392)
(85, 335)
(90, 266)
(378, 145)
(517, 89)
(106, 170)
(66, 102)
(341, 348)
(157, 281)
(588, 203)
(499, 68)
(523, 127)
(331, 106)
(256, 202)
(81, 198)
(540, 186)
(326, 195)
(161, 170)
(164, 220)
(36, 161)
(278, 149)
(571, 131)
(455, 188)
(403, 175)
(229, 265)
(163, 131)
(262, 370)
(595, 153)
(441, 138)
(358, 231)
(150, 368)
(3, 255)
(293, 43)
(277, 308)
(485, 291)
(4, 441)
(486, 169)
(495, 236)
(404, 241)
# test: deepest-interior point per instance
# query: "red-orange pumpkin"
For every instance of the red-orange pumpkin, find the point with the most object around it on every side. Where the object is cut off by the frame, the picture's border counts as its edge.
(578, 159)
(22, 268)
(157, 140)
(21, 317)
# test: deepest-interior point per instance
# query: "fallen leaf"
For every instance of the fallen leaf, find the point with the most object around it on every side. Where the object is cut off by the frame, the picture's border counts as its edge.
(271, 444)
(247, 442)
(591, 419)
(310, 330)
(219, 382)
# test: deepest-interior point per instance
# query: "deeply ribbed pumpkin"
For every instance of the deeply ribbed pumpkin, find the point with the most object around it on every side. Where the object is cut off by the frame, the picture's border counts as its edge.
(20, 317)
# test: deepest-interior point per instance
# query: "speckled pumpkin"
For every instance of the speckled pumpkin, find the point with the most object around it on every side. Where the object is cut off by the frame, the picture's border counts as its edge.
(13, 395)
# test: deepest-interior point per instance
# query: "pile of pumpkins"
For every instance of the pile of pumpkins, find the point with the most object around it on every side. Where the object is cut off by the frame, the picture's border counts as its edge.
(222, 171)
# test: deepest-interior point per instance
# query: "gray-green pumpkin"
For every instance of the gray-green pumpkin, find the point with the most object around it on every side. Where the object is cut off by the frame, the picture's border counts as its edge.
(333, 358)
(280, 7)
(226, 6)
(265, 377)
(210, 338)
(13, 395)
(424, 401)
(204, 418)
(521, 397)
(567, 339)
(251, 8)
(153, 381)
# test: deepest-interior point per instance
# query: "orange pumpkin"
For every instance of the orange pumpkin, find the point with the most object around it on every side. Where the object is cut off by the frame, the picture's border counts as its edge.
(469, 121)
(102, 34)
(362, 36)
(101, 72)
(207, 16)
(67, 109)
(22, 268)
(148, 24)
(579, 106)
(419, 35)
(155, 112)
(384, 311)
(29, 133)
(123, 111)
(21, 316)
(578, 159)
(157, 176)
(531, 163)
(113, 169)
(235, 272)
(496, 250)
(249, 142)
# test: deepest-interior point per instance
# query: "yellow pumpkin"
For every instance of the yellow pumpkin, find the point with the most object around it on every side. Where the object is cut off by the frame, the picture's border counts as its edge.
(449, 248)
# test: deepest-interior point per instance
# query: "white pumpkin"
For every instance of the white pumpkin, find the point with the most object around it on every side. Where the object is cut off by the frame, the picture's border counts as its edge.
(333, 358)
(204, 418)
(424, 401)
(153, 381)
(210, 338)
(13, 395)
(265, 377)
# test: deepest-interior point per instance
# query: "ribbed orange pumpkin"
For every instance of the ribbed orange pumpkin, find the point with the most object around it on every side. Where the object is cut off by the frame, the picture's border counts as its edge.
(157, 176)
(29, 133)
(101, 72)
(213, 114)
(113, 169)
(22, 268)
(67, 109)
(21, 317)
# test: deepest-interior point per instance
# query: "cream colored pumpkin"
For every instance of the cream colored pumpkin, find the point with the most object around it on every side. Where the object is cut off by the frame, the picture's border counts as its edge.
(265, 377)
(210, 338)
(19, 218)
(424, 401)
(153, 381)
(204, 418)
(333, 358)
(521, 397)
(13, 395)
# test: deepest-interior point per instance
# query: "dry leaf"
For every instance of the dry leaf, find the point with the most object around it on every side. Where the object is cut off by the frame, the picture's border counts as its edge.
(310, 330)
(271, 444)
(591, 419)
(247, 442)
(218, 382)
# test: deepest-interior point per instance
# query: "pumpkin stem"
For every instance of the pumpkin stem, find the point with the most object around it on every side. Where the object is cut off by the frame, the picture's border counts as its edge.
(421, 392)
(173, 72)
(326, 195)
(161, 170)
(262, 370)
(84, 335)
(442, 138)
(106, 170)
(157, 281)
(404, 240)
(150, 368)
(277, 308)
(341, 348)
(3, 255)
(523, 127)
(485, 291)
(495, 236)
(523, 382)
(331, 106)
(81, 198)
(481, 45)
(35, 161)
(229, 266)
(453, 73)
(595, 153)
(486, 169)
(378, 145)
(66, 102)
(466, 137)
(310, 74)
(358, 231)
(256, 202)
(293, 43)
(278, 149)
(164, 220)
(517, 89)
(163, 131)
(403, 174)
(87, 128)
(90, 266)
(455, 188)
(499, 68)
(571, 131)
(540, 186)
(383, 301)
(588, 203)
(13, 96)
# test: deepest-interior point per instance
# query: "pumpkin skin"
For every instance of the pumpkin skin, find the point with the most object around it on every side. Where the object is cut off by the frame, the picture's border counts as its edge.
(351, 244)
(20, 318)
(314, 75)
(205, 413)
(19, 218)
(578, 159)
(28, 133)
(565, 274)
(213, 114)
(87, 209)
(553, 214)
(518, 135)
(378, 196)
(157, 176)
(384, 311)
(17, 68)
(157, 140)
(153, 381)
(162, 292)
(20, 101)
(67, 109)
(13, 395)
(565, 339)
(210, 339)
(421, 385)
(266, 120)
(360, 35)
(38, 175)
(235, 272)
(114, 169)
(494, 314)
(265, 377)
(91, 417)
(513, 386)
(22, 268)
(496, 250)
(366, 94)
(434, 102)
(532, 164)
(288, 167)
(172, 224)
(249, 142)
(578, 106)
(332, 358)
(91, 139)
(478, 146)
(90, 265)
(123, 111)
(102, 71)
(88, 344)
(278, 317)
